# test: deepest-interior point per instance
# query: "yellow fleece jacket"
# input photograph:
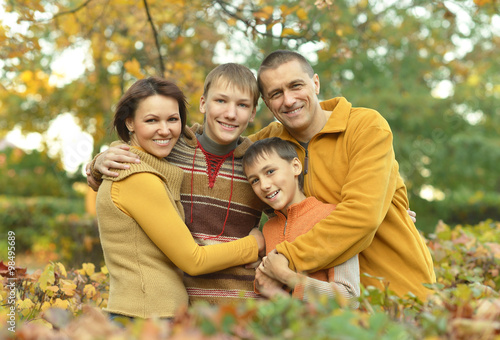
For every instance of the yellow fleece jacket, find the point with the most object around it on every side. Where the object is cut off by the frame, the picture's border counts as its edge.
(145, 241)
(351, 163)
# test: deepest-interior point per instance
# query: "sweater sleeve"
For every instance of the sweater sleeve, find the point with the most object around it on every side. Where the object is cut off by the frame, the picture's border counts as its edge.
(343, 281)
(143, 197)
(366, 196)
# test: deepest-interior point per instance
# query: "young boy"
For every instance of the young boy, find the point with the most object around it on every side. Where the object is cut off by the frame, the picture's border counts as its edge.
(274, 171)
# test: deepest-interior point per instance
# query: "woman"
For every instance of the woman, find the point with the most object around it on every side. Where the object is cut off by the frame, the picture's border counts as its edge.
(144, 251)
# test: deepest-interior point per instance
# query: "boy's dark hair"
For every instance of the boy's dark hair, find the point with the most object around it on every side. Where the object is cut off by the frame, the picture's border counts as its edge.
(284, 149)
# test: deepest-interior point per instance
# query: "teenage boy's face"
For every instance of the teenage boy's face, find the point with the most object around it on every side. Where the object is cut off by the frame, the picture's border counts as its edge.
(227, 110)
(275, 181)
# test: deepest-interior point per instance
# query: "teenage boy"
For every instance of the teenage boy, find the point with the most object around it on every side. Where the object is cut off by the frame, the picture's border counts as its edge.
(349, 161)
(274, 172)
(218, 202)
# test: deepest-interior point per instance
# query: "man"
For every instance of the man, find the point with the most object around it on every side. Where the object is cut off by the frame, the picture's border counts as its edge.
(349, 161)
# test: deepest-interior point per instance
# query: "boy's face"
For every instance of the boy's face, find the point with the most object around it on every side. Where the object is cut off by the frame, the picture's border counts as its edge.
(227, 110)
(275, 180)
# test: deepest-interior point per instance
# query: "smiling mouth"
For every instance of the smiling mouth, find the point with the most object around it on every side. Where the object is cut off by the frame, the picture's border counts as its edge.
(293, 111)
(162, 141)
(273, 195)
(228, 125)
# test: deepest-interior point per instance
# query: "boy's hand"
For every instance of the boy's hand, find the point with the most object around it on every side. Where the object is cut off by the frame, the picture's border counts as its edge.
(267, 286)
(116, 157)
(91, 181)
(275, 265)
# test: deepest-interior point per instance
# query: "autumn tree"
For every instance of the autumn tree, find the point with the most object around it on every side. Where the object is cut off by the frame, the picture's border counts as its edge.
(428, 67)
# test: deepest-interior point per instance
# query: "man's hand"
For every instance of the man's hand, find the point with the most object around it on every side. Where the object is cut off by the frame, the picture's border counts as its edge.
(413, 215)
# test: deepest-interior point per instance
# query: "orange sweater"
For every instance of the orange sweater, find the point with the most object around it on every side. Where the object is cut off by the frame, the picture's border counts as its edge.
(342, 279)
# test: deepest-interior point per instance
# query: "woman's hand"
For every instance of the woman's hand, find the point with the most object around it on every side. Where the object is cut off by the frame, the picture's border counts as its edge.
(255, 232)
(413, 215)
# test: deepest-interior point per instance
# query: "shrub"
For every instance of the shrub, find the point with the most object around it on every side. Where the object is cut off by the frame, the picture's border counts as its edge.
(50, 228)
(55, 304)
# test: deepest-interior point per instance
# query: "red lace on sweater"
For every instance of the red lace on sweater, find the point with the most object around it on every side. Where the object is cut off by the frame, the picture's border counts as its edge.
(214, 163)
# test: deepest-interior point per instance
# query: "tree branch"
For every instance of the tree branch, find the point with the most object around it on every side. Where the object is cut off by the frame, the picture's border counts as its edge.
(74, 10)
(155, 34)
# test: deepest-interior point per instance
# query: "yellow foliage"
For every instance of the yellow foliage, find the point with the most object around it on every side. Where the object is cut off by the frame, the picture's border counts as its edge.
(104, 270)
(25, 306)
(46, 305)
(375, 26)
(288, 32)
(47, 277)
(482, 2)
(87, 269)
(302, 14)
(264, 13)
(134, 68)
(62, 269)
(89, 291)
(473, 80)
(64, 304)
(68, 287)
(70, 25)
(51, 289)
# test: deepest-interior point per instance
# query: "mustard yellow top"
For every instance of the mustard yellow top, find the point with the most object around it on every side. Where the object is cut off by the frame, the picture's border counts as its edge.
(146, 242)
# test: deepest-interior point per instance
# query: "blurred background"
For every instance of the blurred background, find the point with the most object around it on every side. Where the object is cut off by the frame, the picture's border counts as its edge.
(431, 68)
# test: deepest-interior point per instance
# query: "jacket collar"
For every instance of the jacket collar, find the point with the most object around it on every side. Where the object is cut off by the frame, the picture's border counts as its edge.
(337, 122)
(340, 109)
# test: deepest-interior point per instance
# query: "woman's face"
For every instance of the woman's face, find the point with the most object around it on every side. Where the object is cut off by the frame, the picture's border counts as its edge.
(156, 125)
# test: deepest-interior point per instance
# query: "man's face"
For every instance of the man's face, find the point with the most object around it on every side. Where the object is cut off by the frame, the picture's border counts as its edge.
(291, 95)
(227, 110)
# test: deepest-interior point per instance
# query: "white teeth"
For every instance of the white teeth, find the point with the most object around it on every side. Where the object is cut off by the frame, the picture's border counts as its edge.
(272, 195)
(294, 111)
(162, 141)
(227, 125)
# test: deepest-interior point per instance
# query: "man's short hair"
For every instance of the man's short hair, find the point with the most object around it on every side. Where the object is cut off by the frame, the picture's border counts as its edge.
(284, 149)
(280, 57)
(233, 74)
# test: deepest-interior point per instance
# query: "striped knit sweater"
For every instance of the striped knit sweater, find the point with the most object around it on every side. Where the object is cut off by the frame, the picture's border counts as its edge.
(206, 209)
